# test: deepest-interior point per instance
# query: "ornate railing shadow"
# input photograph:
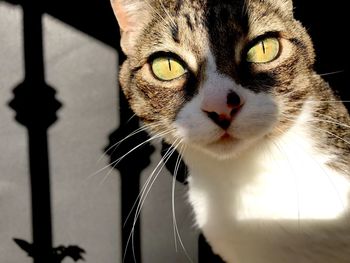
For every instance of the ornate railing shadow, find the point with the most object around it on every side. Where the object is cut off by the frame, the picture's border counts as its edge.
(35, 104)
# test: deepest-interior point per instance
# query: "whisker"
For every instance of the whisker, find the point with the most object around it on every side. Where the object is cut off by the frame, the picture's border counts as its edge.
(137, 202)
(164, 159)
(121, 158)
(176, 229)
(167, 13)
(323, 130)
(132, 116)
(173, 196)
(318, 101)
(115, 163)
(144, 187)
(315, 119)
(140, 129)
(145, 192)
(328, 101)
(155, 11)
(332, 73)
(131, 236)
(335, 121)
(334, 135)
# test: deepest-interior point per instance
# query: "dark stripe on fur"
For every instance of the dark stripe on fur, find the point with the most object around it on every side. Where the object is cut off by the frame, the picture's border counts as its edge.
(188, 21)
(175, 33)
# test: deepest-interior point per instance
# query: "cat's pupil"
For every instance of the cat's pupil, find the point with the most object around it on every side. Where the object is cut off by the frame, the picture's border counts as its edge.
(263, 47)
(169, 63)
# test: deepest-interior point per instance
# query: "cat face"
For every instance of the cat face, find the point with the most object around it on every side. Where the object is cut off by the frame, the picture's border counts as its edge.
(216, 75)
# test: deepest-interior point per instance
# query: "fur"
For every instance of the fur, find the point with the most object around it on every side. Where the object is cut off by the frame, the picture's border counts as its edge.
(272, 184)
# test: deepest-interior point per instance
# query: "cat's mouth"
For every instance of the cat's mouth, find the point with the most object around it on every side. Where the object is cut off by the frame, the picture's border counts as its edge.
(225, 139)
(224, 146)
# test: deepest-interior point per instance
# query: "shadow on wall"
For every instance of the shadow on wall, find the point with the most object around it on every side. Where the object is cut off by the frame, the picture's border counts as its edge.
(325, 23)
(36, 106)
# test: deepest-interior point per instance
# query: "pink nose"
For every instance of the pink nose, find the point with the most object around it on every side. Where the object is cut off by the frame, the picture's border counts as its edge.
(222, 109)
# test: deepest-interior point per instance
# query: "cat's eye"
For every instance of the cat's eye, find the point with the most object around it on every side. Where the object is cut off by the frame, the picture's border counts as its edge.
(264, 51)
(167, 68)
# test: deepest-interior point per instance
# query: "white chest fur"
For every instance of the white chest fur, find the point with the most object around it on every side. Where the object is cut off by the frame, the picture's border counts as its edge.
(277, 203)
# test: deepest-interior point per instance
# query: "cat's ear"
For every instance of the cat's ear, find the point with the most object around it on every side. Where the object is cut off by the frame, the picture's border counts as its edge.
(132, 16)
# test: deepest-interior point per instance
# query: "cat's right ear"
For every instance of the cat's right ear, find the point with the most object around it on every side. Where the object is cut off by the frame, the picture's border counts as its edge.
(132, 16)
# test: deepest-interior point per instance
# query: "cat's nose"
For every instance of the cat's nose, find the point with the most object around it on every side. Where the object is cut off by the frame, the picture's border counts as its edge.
(222, 109)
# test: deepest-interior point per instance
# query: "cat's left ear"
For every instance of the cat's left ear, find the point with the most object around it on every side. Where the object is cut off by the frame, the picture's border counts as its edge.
(132, 15)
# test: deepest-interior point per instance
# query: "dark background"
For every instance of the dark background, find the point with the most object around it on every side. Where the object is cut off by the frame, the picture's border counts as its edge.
(327, 23)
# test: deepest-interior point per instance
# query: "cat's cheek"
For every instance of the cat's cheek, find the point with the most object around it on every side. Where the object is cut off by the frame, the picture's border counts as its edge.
(255, 124)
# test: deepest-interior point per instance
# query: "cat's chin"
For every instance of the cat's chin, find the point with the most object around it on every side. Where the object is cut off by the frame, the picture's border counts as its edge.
(224, 148)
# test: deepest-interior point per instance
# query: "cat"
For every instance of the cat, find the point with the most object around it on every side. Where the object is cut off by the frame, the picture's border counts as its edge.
(231, 85)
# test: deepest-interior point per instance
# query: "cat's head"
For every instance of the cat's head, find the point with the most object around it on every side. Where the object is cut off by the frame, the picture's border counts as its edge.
(218, 75)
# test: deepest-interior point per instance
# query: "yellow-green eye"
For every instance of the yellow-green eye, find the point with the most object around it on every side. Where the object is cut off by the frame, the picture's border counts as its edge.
(167, 68)
(264, 51)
